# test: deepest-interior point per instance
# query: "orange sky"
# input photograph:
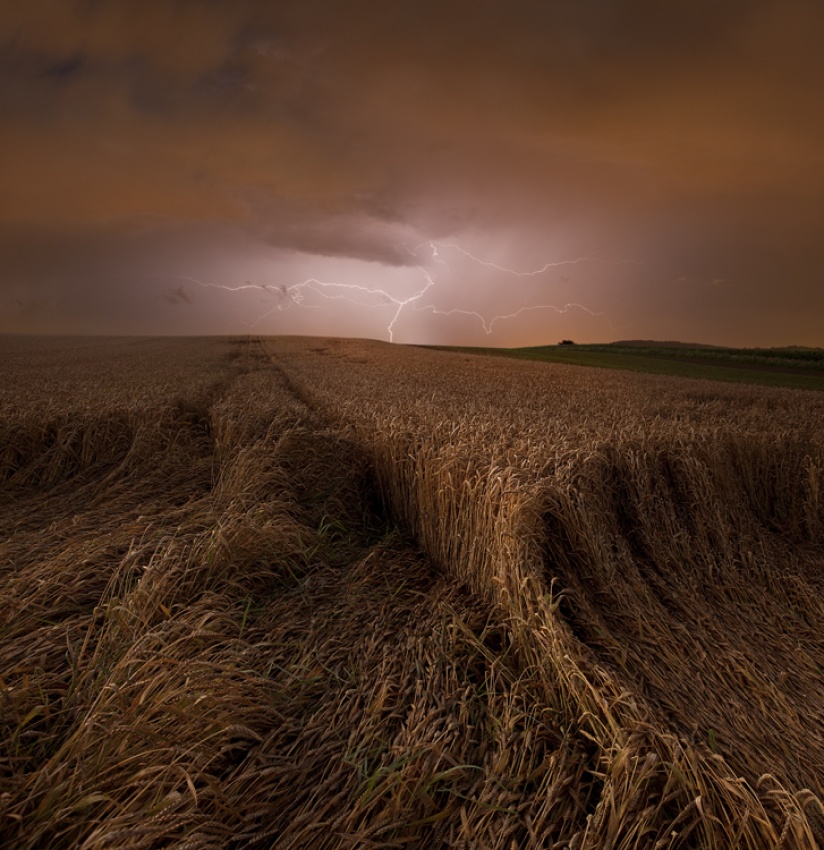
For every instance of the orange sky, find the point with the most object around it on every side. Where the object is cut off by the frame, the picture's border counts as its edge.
(184, 167)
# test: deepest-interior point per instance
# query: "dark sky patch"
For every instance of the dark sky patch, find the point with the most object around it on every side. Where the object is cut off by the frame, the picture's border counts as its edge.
(64, 69)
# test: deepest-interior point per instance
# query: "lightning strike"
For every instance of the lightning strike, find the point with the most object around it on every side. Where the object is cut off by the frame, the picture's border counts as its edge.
(530, 273)
(295, 294)
(489, 325)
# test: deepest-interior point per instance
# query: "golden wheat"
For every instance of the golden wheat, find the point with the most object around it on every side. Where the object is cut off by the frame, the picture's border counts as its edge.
(319, 593)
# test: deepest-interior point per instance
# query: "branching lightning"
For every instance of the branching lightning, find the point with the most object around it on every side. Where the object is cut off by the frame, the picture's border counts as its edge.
(364, 296)
(531, 273)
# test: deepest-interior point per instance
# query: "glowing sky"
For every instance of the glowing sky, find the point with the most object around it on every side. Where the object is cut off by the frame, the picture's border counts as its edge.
(185, 166)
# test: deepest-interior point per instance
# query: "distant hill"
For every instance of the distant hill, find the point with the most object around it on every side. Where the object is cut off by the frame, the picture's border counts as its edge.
(655, 343)
(778, 350)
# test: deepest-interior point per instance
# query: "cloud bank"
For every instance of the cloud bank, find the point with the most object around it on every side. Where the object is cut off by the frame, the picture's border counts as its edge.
(148, 141)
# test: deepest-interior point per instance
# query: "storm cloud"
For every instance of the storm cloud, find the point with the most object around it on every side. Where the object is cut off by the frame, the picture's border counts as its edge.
(678, 144)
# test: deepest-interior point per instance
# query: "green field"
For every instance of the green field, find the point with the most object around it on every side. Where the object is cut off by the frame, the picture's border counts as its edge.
(798, 368)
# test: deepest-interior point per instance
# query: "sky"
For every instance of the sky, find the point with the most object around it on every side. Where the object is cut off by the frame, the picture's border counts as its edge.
(471, 173)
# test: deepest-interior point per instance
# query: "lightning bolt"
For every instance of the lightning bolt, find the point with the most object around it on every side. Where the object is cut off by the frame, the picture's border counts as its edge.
(531, 273)
(489, 324)
(294, 294)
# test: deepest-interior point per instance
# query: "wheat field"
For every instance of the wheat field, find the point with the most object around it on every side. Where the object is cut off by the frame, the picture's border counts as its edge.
(314, 593)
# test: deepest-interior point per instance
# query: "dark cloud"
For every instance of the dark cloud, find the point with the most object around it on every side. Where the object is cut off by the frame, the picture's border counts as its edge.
(688, 133)
(180, 295)
(65, 68)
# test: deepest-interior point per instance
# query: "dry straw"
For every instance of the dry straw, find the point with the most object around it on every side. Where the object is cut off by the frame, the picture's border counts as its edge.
(337, 594)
